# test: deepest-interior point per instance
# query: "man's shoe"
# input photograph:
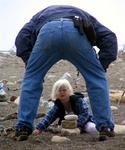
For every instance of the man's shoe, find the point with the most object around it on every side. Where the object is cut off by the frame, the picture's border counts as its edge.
(104, 133)
(22, 133)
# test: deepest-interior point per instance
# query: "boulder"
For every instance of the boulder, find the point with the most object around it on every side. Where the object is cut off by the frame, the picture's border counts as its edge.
(123, 122)
(69, 124)
(60, 139)
(114, 108)
(71, 117)
(119, 129)
(117, 96)
(70, 132)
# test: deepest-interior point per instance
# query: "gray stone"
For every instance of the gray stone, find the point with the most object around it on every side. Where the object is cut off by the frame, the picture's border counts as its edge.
(71, 117)
(70, 132)
(69, 124)
(60, 139)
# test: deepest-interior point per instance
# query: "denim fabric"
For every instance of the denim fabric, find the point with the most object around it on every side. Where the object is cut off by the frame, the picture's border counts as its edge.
(106, 40)
(60, 40)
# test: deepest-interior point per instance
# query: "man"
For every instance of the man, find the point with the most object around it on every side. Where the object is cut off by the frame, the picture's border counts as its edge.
(65, 32)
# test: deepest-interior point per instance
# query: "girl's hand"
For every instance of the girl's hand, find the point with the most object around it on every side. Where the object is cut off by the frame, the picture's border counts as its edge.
(37, 132)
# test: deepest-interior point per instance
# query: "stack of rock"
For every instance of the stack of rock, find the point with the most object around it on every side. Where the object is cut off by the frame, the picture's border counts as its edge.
(69, 125)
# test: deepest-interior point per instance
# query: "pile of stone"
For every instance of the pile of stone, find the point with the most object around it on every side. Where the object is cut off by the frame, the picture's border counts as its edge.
(69, 125)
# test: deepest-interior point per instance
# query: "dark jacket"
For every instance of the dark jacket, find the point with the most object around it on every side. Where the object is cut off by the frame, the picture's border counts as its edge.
(79, 107)
(106, 40)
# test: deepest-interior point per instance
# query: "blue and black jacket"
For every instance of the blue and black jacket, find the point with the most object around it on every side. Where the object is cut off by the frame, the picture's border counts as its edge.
(79, 108)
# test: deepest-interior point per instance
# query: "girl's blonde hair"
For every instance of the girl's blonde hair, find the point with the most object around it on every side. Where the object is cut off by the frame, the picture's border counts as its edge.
(61, 83)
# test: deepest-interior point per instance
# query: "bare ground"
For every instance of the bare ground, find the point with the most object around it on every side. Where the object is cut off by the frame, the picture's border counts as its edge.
(12, 69)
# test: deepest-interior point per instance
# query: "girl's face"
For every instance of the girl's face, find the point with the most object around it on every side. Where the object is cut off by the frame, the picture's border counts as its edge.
(63, 95)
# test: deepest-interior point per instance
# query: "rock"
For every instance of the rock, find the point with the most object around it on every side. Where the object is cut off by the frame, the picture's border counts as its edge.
(1, 119)
(69, 124)
(45, 105)
(10, 85)
(119, 129)
(10, 116)
(54, 130)
(4, 81)
(121, 79)
(71, 117)
(66, 75)
(50, 76)
(67, 132)
(8, 131)
(3, 98)
(116, 95)
(19, 81)
(3, 103)
(114, 108)
(12, 77)
(13, 98)
(60, 139)
(123, 122)
(2, 128)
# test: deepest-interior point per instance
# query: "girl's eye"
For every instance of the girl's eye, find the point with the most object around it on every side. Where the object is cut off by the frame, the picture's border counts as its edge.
(62, 90)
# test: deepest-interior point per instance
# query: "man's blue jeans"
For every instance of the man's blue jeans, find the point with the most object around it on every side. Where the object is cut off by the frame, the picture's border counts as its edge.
(58, 39)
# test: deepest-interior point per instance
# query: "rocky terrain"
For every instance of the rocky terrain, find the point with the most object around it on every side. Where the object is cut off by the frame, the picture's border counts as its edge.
(12, 69)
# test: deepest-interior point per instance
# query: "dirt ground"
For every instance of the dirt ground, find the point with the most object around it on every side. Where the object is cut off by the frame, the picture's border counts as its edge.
(12, 69)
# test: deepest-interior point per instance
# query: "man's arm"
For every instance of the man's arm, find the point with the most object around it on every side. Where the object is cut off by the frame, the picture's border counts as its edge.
(106, 41)
(24, 41)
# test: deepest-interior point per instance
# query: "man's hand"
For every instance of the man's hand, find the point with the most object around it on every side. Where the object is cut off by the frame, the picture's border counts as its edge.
(105, 64)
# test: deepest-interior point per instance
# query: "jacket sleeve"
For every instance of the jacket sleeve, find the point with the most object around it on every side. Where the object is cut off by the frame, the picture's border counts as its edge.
(49, 118)
(27, 36)
(82, 112)
(106, 41)
(25, 40)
